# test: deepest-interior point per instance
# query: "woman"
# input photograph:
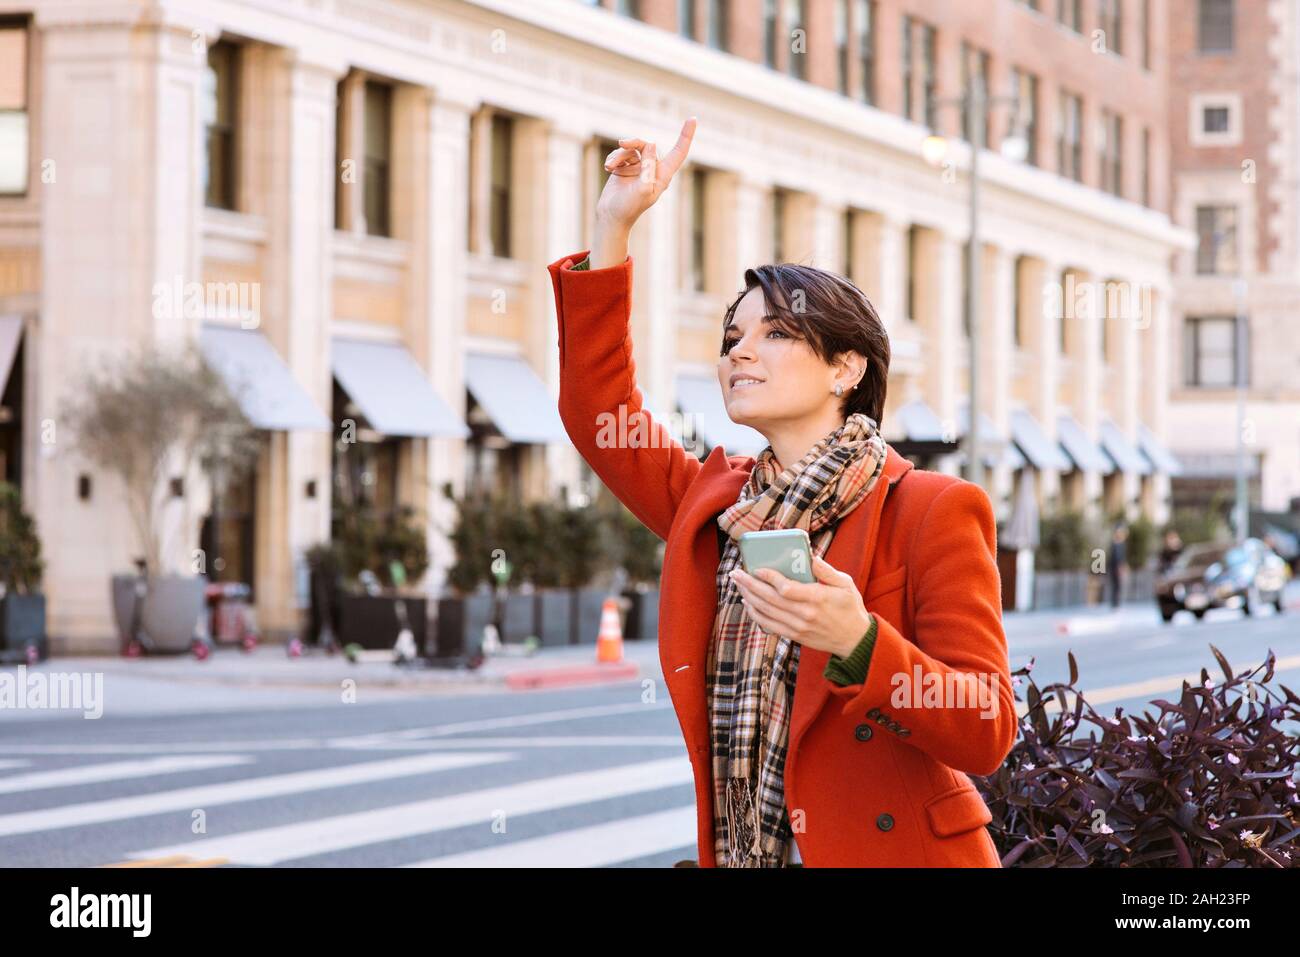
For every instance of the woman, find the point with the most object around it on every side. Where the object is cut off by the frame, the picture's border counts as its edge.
(903, 624)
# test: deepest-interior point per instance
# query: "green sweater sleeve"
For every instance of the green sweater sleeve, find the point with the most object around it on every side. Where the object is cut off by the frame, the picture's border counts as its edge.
(853, 669)
(585, 264)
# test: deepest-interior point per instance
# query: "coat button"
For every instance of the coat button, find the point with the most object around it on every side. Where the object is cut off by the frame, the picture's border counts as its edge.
(862, 732)
(884, 822)
(873, 712)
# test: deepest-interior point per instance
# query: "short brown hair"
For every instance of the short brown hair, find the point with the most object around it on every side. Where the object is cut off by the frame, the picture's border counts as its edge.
(834, 315)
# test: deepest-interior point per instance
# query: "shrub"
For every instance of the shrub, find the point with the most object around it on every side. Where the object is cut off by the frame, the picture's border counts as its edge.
(1063, 542)
(1141, 540)
(1207, 781)
(21, 565)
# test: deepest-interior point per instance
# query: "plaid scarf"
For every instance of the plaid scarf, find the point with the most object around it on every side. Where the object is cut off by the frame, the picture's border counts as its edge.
(752, 673)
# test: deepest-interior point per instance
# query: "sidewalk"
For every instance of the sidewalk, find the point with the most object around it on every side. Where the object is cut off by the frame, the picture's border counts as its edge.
(269, 666)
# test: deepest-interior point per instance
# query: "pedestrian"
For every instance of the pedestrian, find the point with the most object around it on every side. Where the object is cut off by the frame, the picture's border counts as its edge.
(1170, 550)
(1116, 563)
(828, 724)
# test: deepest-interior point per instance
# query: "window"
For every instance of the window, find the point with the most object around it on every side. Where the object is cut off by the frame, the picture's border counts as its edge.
(699, 195)
(219, 105)
(797, 61)
(13, 109)
(927, 74)
(629, 8)
(913, 263)
(1214, 119)
(1145, 26)
(769, 33)
(1025, 86)
(1216, 234)
(1067, 290)
(1214, 26)
(499, 196)
(378, 124)
(1146, 166)
(864, 26)
(849, 220)
(842, 46)
(717, 25)
(975, 75)
(965, 289)
(1068, 13)
(908, 53)
(340, 148)
(778, 225)
(1017, 323)
(1109, 20)
(1211, 359)
(686, 18)
(1069, 151)
(1110, 146)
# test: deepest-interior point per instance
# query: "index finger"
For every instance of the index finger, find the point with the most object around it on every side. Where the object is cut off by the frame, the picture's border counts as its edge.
(786, 588)
(671, 161)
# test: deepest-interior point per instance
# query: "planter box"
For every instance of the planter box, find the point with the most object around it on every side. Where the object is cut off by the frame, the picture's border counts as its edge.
(371, 621)
(1061, 589)
(554, 616)
(22, 623)
(460, 625)
(587, 604)
(643, 617)
(518, 616)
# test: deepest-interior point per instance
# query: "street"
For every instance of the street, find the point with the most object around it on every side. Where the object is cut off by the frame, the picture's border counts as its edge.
(214, 772)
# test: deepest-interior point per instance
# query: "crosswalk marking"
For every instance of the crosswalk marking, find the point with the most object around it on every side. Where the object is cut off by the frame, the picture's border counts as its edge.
(505, 721)
(117, 770)
(554, 741)
(272, 845)
(597, 846)
(6, 765)
(209, 795)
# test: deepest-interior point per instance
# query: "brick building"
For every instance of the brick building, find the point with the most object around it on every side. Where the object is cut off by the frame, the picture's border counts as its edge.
(1234, 129)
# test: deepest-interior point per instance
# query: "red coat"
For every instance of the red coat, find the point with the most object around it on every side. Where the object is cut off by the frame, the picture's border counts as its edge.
(876, 781)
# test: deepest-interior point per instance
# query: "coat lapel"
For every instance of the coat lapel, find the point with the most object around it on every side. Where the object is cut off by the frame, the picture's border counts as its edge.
(683, 644)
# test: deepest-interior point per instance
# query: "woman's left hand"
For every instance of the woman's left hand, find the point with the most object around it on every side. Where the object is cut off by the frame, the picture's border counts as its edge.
(828, 615)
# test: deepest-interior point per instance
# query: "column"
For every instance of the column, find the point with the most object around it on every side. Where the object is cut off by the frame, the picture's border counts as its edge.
(996, 352)
(1084, 311)
(1045, 337)
(559, 173)
(114, 222)
(940, 304)
(299, 306)
(436, 320)
(827, 235)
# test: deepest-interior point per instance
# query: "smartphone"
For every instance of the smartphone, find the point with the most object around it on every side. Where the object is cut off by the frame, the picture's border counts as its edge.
(787, 550)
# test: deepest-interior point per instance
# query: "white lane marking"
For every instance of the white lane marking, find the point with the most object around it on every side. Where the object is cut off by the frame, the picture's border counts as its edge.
(272, 845)
(178, 747)
(117, 771)
(597, 846)
(252, 789)
(507, 721)
(554, 741)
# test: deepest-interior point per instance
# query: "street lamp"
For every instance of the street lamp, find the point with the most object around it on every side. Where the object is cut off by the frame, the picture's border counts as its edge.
(974, 103)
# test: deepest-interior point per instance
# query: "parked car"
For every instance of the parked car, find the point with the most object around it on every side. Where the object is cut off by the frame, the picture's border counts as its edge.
(1245, 576)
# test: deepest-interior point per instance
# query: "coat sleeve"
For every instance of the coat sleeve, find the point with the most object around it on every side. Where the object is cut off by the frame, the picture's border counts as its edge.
(600, 404)
(949, 692)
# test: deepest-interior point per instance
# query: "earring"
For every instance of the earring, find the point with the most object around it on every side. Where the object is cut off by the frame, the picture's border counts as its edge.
(839, 390)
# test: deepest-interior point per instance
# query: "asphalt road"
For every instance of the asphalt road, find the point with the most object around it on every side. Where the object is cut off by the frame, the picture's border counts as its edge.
(595, 776)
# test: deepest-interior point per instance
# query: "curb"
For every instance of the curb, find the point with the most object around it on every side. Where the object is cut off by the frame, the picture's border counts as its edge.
(564, 676)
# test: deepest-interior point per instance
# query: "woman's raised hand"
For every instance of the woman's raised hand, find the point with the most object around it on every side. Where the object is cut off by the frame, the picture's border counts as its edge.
(638, 177)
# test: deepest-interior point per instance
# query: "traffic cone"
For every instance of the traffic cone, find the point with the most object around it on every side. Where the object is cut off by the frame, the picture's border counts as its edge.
(609, 641)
